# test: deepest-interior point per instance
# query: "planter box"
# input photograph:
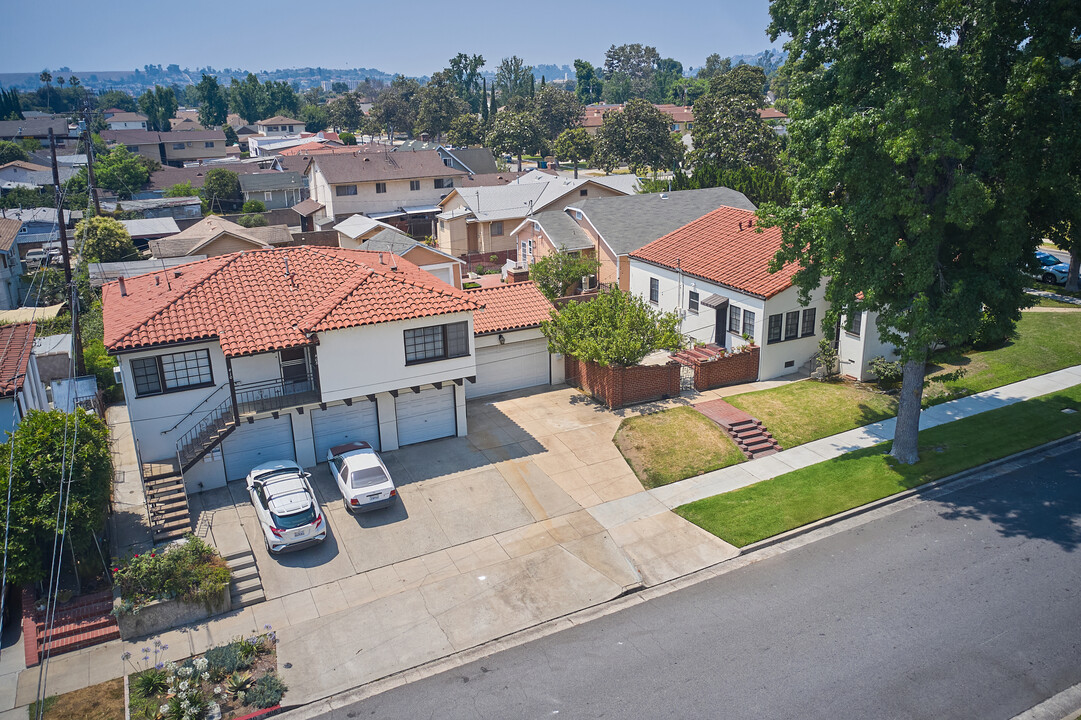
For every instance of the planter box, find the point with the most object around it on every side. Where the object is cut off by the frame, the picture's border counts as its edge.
(732, 369)
(617, 386)
(163, 615)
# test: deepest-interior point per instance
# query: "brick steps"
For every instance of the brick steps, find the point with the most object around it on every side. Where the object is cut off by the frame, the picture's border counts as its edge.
(85, 621)
(750, 436)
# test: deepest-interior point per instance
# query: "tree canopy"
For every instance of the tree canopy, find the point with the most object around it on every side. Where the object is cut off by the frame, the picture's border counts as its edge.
(556, 110)
(914, 145)
(512, 78)
(213, 102)
(728, 132)
(221, 190)
(574, 145)
(10, 152)
(104, 239)
(557, 273)
(515, 132)
(639, 136)
(160, 106)
(615, 328)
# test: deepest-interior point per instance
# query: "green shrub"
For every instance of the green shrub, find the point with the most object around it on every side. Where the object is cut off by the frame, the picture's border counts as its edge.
(993, 331)
(253, 206)
(266, 692)
(191, 571)
(886, 372)
(150, 682)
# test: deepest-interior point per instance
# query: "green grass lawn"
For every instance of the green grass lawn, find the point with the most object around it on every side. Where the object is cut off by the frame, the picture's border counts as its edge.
(1045, 342)
(1057, 289)
(789, 501)
(1052, 303)
(800, 412)
(674, 444)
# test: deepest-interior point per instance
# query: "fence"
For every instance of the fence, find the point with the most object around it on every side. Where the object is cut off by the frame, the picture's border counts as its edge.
(619, 386)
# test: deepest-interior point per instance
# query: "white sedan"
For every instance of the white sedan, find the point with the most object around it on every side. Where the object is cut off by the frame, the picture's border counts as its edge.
(286, 506)
(362, 478)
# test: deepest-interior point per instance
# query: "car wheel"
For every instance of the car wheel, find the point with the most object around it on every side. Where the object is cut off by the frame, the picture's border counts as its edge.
(1049, 279)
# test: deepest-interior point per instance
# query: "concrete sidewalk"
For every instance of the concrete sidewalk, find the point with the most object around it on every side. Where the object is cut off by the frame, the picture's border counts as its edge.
(343, 632)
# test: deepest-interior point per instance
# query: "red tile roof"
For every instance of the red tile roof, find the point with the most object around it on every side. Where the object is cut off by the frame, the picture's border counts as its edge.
(264, 300)
(594, 115)
(723, 247)
(16, 344)
(509, 307)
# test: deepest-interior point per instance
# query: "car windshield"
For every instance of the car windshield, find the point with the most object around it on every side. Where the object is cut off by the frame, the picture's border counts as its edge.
(366, 477)
(288, 522)
(263, 477)
(1049, 260)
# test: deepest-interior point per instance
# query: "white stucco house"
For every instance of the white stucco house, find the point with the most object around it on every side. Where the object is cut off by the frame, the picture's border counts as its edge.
(285, 352)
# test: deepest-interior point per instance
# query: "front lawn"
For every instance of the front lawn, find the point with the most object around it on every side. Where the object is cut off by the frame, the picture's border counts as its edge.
(674, 444)
(800, 412)
(104, 701)
(789, 501)
(1045, 342)
(1052, 303)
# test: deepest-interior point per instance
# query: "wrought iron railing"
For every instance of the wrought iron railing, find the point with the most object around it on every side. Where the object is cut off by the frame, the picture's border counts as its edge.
(269, 395)
(197, 441)
(201, 406)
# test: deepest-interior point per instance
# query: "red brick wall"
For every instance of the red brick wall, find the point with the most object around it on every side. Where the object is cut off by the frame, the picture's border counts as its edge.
(728, 370)
(618, 386)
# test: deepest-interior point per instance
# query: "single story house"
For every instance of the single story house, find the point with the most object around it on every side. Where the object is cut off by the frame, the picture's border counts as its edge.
(432, 260)
(274, 189)
(512, 353)
(178, 208)
(21, 389)
(610, 228)
(144, 230)
(285, 353)
(355, 229)
(214, 235)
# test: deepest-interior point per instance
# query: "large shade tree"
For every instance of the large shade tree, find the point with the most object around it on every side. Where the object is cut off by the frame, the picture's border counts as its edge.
(914, 144)
(639, 136)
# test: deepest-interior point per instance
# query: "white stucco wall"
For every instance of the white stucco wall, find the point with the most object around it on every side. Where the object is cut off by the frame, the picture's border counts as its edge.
(701, 326)
(371, 359)
(854, 353)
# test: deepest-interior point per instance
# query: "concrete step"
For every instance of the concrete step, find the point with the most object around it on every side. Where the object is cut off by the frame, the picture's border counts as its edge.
(763, 453)
(250, 597)
(161, 536)
(243, 585)
(67, 629)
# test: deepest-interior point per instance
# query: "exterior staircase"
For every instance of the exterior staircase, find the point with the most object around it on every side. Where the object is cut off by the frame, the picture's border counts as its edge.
(245, 587)
(85, 621)
(749, 434)
(166, 501)
(206, 435)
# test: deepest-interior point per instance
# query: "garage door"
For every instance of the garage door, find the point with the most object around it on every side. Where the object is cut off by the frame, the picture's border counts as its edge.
(340, 424)
(510, 367)
(259, 442)
(426, 415)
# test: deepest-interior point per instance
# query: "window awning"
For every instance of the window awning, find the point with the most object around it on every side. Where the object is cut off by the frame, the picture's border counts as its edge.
(385, 215)
(715, 301)
(422, 209)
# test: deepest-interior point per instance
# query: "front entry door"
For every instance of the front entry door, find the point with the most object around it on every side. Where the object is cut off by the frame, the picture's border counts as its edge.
(719, 335)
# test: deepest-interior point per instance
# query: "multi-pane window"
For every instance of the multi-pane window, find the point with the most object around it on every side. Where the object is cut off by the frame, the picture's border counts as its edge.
(748, 322)
(773, 330)
(852, 327)
(497, 228)
(791, 325)
(808, 322)
(208, 144)
(178, 146)
(341, 190)
(436, 342)
(167, 373)
(692, 302)
(380, 188)
(733, 319)
(654, 290)
(441, 183)
(414, 185)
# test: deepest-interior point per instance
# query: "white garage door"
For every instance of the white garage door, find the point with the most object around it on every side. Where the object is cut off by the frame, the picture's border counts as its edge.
(510, 367)
(340, 424)
(259, 442)
(426, 415)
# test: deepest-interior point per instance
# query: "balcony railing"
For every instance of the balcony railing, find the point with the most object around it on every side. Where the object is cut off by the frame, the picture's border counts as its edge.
(270, 395)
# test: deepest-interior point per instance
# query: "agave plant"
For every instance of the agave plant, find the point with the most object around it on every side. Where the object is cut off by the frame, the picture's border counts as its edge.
(238, 682)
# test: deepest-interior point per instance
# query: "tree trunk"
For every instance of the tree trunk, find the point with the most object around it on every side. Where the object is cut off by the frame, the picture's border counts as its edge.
(519, 161)
(1071, 276)
(906, 445)
(575, 169)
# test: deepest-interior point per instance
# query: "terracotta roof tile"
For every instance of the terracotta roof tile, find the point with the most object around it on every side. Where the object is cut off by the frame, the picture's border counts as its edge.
(16, 344)
(268, 299)
(724, 248)
(509, 307)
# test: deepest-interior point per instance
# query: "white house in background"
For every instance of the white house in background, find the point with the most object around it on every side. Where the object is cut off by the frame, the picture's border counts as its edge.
(126, 121)
(21, 389)
(284, 353)
(11, 266)
(355, 229)
(858, 343)
(280, 125)
(713, 272)
(512, 353)
(427, 258)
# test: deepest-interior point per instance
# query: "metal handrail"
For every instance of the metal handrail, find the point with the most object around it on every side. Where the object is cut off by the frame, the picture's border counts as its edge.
(213, 422)
(194, 409)
(267, 395)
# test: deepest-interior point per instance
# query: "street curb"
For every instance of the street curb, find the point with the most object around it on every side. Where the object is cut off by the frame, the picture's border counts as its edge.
(1063, 706)
(921, 490)
(635, 595)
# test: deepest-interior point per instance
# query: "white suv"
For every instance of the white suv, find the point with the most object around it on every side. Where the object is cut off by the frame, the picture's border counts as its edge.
(286, 506)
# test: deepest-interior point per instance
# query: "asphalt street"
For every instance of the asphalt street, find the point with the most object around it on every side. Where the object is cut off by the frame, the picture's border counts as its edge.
(965, 606)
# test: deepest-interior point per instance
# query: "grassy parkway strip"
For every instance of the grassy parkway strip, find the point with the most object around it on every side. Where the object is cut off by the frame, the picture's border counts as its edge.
(789, 501)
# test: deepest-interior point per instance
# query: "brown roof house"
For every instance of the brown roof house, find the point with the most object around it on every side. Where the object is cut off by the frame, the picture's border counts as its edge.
(215, 235)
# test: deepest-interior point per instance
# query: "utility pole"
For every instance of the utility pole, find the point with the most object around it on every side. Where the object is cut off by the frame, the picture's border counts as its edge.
(90, 154)
(73, 294)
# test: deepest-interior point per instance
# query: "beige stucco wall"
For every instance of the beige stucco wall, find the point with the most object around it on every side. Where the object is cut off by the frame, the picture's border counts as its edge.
(196, 151)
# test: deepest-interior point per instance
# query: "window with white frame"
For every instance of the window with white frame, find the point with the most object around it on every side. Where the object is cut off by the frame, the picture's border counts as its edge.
(414, 185)
(169, 373)
(654, 290)
(692, 302)
(852, 326)
(268, 195)
(733, 319)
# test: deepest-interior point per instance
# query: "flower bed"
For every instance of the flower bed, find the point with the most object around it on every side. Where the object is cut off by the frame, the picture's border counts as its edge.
(238, 680)
(190, 571)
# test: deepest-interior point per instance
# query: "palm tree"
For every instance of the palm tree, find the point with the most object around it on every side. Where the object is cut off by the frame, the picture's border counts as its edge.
(47, 78)
(73, 81)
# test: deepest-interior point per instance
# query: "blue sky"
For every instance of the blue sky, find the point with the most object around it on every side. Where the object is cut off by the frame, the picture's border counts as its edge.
(415, 38)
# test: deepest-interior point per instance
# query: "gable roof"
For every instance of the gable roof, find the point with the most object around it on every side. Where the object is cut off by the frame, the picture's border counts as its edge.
(16, 346)
(356, 225)
(271, 180)
(722, 247)
(34, 127)
(630, 222)
(561, 230)
(517, 199)
(201, 233)
(510, 307)
(280, 120)
(307, 207)
(126, 117)
(397, 242)
(9, 230)
(478, 161)
(28, 166)
(266, 300)
(379, 166)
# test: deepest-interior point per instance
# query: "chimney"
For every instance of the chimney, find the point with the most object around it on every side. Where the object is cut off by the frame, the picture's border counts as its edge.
(382, 260)
(393, 262)
(123, 287)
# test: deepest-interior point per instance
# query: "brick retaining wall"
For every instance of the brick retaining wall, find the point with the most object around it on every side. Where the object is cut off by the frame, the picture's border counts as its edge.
(731, 369)
(617, 386)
